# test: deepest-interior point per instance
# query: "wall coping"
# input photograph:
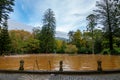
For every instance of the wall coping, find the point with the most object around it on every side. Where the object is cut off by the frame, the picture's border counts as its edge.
(91, 72)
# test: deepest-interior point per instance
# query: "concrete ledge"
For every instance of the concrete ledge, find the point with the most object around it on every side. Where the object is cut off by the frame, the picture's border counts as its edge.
(64, 72)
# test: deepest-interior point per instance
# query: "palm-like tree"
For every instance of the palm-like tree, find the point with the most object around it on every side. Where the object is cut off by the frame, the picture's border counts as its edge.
(90, 27)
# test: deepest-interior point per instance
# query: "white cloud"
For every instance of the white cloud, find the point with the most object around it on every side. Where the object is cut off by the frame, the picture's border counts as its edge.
(70, 14)
(64, 28)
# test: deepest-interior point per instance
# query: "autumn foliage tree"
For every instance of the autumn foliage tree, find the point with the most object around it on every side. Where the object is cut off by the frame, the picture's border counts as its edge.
(23, 42)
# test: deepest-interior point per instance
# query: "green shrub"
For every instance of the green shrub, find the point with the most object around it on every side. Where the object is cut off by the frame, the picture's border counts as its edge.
(105, 51)
(115, 51)
(85, 50)
(71, 49)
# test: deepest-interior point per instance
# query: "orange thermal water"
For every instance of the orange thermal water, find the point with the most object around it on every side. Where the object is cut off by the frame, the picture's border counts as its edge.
(51, 62)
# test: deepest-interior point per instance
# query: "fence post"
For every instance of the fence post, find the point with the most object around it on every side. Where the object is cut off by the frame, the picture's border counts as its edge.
(21, 65)
(99, 68)
(61, 66)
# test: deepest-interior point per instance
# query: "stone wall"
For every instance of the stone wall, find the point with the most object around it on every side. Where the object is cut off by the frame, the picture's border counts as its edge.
(52, 76)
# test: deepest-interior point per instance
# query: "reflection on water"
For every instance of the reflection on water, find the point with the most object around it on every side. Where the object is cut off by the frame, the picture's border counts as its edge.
(51, 62)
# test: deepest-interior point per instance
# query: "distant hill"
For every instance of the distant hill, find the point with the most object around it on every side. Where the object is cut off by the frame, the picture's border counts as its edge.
(61, 34)
(60, 38)
(20, 26)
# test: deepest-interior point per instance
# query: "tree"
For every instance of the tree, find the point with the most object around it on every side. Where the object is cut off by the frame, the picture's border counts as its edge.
(98, 38)
(108, 15)
(20, 39)
(77, 36)
(4, 39)
(31, 46)
(60, 47)
(86, 39)
(70, 34)
(47, 34)
(5, 9)
(91, 25)
(36, 32)
(86, 42)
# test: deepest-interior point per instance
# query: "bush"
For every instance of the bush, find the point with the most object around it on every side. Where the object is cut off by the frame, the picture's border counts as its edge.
(105, 51)
(71, 49)
(116, 51)
(85, 50)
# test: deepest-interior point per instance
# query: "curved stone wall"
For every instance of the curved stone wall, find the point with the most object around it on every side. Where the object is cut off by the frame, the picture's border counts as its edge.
(30, 75)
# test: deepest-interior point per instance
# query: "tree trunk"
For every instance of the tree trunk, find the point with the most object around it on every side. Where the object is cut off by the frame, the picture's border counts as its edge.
(92, 43)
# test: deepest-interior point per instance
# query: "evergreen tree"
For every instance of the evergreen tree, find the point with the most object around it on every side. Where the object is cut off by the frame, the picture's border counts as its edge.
(47, 34)
(4, 39)
(70, 34)
(5, 9)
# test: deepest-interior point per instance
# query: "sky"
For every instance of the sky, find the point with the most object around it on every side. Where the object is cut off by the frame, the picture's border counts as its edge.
(70, 14)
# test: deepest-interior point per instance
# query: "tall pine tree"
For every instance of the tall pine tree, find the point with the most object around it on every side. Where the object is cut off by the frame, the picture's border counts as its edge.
(47, 35)
(92, 22)
(5, 9)
(4, 39)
